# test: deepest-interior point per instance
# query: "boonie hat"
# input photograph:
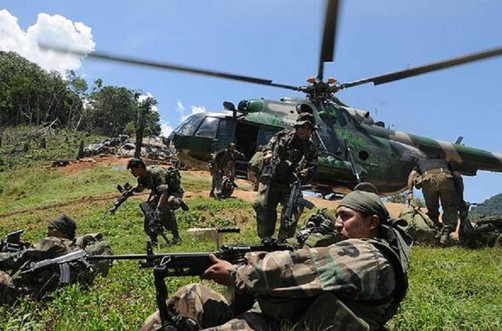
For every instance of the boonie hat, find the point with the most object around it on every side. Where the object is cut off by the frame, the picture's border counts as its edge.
(305, 118)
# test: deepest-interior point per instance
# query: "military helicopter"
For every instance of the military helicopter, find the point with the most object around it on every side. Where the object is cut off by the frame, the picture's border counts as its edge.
(352, 146)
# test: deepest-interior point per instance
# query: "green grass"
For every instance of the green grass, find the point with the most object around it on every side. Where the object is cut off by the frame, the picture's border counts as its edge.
(450, 289)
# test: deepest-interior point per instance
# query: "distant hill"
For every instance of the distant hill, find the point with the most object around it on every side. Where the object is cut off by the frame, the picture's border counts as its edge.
(490, 207)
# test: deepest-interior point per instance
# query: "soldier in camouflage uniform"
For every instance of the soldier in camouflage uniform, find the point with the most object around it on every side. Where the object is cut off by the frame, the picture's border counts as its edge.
(223, 165)
(356, 283)
(165, 196)
(439, 182)
(60, 240)
(285, 151)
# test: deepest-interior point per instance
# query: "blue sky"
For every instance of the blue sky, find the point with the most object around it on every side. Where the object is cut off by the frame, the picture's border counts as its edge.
(280, 40)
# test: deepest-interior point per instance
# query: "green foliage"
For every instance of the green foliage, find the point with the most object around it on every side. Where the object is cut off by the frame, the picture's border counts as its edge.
(32, 96)
(60, 144)
(489, 207)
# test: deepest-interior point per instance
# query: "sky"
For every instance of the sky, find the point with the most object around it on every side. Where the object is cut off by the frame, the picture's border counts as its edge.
(280, 40)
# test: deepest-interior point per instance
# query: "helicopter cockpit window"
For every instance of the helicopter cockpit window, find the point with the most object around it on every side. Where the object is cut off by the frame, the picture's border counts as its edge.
(188, 128)
(208, 128)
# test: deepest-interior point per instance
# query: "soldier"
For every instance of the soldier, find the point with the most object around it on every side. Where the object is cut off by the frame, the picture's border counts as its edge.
(439, 182)
(60, 240)
(165, 196)
(284, 155)
(223, 165)
(356, 283)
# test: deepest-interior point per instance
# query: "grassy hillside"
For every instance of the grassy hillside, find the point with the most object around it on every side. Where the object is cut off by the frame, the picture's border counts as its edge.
(450, 289)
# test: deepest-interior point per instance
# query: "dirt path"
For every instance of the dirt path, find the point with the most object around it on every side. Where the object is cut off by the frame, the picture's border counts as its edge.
(243, 192)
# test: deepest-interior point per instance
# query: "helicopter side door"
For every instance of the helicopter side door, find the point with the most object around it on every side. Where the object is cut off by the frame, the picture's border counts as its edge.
(249, 138)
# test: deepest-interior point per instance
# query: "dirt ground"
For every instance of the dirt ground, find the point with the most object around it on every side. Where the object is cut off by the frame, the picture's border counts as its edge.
(244, 190)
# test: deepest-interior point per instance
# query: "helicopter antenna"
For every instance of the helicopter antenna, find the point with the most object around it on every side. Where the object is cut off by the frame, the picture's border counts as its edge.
(328, 36)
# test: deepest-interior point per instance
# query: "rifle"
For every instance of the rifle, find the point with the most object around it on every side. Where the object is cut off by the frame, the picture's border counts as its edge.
(295, 197)
(164, 265)
(173, 265)
(125, 192)
(11, 243)
(154, 226)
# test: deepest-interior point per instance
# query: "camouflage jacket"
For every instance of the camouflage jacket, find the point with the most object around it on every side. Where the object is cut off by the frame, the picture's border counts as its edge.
(224, 159)
(287, 152)
(156, 180)
(357, 271)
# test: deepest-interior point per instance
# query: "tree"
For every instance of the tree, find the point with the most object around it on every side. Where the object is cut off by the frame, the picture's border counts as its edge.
(144, 110)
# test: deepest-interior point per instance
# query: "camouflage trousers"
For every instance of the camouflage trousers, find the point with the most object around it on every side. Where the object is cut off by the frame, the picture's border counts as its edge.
(265, 206)
(201, 308)
(216, 182)
(438, 188)
(167, 218)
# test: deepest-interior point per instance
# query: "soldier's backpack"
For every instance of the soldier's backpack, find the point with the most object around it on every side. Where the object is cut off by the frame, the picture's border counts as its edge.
(93, 244)
(173, 179)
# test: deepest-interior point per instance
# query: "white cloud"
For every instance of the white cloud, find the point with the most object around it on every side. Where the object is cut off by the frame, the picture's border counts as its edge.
(148, 95)
(166, 129)
(180, 108)
(49, 29)
(198, 109)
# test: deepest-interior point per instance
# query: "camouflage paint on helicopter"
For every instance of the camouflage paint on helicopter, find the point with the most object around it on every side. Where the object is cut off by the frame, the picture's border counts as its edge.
(352, 146)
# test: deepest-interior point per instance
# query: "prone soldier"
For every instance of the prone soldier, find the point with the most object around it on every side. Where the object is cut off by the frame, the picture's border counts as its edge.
(16, 278)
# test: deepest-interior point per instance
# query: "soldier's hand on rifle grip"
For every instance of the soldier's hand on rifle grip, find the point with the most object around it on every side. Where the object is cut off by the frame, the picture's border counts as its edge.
(219, 271)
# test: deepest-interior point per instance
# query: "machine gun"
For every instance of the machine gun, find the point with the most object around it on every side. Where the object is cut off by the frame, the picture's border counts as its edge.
(125, 192)
(195, 265)
(12, 243)
(154, 225)
(295, 197)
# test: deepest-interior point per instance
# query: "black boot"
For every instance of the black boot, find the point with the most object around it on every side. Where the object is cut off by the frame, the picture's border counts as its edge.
(445, 237)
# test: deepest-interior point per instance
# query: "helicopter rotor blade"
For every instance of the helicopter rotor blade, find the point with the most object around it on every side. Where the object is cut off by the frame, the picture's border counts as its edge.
(328, 36)
(387, 78)
(166, 66)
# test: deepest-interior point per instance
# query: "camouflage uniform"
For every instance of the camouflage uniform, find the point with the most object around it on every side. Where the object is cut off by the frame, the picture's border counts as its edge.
(223, 165)
(39, 283)
(287, 153)
(157, 180)
(34, 284)
(355, 284)
(438, 185)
